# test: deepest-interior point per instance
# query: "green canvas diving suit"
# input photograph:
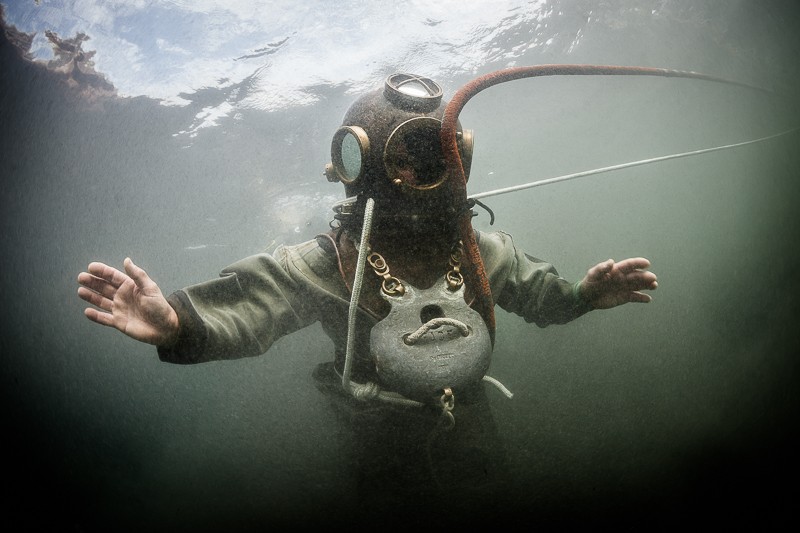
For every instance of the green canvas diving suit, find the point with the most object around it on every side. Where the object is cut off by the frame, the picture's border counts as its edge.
(401, 457)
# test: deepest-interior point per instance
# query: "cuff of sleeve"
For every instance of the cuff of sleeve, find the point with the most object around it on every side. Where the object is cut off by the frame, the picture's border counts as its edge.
(576, 292)
(189, 346)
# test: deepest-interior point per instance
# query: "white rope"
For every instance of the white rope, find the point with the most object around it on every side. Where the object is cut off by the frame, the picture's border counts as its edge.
(372, 390)
(499, 385)
(357, 281)
(566, 177)
(364, 391)
(436, 323)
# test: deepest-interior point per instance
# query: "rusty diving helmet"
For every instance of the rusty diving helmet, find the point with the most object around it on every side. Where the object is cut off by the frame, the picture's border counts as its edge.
(389, 149)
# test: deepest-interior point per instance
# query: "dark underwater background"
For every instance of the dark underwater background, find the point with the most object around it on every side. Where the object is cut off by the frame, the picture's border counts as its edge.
(674, 414)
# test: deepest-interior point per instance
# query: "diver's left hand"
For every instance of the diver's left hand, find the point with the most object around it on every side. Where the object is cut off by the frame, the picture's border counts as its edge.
(609, 284)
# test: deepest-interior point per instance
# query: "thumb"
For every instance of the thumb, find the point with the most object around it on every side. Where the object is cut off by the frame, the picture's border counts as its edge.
(600, 270)
(137, 274)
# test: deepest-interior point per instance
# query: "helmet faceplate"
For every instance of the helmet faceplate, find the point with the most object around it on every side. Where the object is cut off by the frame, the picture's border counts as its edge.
(389, 149)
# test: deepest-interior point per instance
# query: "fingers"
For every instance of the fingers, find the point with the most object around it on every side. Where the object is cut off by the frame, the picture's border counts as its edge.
(106, 319)
(107, 273)
(103, 280)
(641, 279)
(97, 285)
(626, 266)
(635, 263)
(95, 298)
(600, 270)
(638, 297)
(636, 274)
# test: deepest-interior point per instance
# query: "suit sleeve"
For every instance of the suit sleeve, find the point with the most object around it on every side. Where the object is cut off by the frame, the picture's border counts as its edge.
(528, 287)
(253, 303)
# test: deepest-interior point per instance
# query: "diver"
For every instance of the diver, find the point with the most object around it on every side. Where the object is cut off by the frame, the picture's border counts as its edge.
(409, 371)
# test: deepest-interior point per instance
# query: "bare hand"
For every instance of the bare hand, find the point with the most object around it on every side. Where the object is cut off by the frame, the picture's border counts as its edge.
(609, 284)
(129, 301)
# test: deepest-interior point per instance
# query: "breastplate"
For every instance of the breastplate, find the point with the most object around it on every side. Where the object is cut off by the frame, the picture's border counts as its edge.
(430, 340)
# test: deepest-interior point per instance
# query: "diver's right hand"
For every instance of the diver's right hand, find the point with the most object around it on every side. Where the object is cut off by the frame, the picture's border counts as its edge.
(129, 301)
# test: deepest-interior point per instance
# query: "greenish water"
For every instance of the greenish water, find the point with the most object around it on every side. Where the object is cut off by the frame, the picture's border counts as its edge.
(641, 415)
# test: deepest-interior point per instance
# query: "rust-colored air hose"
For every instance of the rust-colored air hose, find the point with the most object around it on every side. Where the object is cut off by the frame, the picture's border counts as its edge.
(473, 269)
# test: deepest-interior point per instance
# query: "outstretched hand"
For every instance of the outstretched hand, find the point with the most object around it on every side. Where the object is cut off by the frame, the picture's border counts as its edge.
(129, 301)
(609, 284)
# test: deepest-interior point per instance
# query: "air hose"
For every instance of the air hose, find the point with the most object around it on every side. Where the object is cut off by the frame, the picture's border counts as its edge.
(473, 269)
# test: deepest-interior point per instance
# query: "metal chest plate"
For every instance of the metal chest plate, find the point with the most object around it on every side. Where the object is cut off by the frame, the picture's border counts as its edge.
(419, 359)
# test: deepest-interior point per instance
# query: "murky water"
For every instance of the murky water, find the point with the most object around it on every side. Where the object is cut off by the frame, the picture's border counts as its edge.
(197, 134)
